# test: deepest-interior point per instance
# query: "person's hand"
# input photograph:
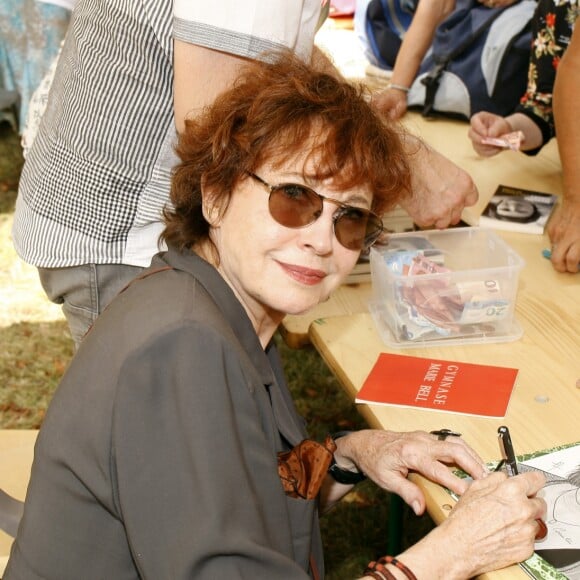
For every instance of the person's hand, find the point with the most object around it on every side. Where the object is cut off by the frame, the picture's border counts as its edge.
(493, 525)
(391, 102)
(484, 124)
(439, 188)
(564, 232)
(387, 458)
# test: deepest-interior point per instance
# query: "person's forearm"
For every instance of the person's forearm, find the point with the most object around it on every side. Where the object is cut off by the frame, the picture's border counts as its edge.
(418, 39)
(567, 120)
(427, 561)
(200, 75)
(408, 61)
(411, 54)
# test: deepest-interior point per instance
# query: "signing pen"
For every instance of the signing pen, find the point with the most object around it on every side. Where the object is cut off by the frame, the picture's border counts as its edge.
(507, 451)
(511, 467)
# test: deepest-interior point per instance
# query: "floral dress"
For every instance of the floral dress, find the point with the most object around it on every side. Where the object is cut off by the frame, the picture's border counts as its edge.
(552, 24)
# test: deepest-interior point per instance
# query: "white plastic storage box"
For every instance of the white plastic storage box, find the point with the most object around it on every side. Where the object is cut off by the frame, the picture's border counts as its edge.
(445, 287)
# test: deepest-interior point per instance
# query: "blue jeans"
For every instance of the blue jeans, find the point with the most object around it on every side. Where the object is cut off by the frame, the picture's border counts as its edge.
(85, 291)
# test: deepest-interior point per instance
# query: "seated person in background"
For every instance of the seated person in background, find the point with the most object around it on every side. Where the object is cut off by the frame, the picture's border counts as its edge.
(164, 462)
(428, 15)
(552, 29)
(535, 117)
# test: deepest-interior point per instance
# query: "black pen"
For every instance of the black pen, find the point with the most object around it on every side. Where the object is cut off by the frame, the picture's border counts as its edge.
(507, 451)
(511, 466)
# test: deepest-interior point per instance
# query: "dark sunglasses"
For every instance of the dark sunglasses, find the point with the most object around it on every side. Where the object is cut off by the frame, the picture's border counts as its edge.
(296, 206)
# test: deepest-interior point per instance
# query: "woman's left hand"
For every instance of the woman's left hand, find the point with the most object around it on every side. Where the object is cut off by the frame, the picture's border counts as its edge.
(387, 458)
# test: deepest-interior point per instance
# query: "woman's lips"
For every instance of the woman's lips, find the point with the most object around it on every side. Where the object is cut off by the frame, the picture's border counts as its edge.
(308, 276)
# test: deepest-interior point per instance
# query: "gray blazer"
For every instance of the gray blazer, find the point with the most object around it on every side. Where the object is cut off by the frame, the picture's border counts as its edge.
(157, 457)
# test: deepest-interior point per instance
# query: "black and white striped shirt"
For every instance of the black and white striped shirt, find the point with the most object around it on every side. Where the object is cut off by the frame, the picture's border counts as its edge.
(97, 176)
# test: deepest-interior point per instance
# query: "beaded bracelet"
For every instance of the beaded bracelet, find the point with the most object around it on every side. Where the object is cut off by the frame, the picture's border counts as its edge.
(378, 571)
(399, 88)
(399, 565)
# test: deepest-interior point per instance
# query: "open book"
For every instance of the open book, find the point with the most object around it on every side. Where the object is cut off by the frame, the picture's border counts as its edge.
(557, 556)
(561, 547)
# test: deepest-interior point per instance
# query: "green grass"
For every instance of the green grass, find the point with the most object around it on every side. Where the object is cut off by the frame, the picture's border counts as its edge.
(34, 353)
(32, 360)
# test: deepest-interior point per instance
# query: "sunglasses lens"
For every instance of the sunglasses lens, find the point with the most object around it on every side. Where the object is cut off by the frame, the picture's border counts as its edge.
(357, 229)
(294, 206)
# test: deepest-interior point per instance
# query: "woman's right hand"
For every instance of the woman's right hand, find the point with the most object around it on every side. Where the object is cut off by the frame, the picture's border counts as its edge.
(484, 124)
(493, 525)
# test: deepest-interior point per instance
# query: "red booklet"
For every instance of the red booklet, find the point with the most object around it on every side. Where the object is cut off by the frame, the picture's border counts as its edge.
(439, 385)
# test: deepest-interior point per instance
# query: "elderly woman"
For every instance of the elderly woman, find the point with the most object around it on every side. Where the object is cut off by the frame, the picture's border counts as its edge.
(170, 446)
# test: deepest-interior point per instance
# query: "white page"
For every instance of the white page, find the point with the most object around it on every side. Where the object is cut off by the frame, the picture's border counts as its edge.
(562, 497)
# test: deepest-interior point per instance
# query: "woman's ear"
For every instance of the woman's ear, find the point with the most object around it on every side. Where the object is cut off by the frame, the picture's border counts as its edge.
(211, 213)
(210, 206)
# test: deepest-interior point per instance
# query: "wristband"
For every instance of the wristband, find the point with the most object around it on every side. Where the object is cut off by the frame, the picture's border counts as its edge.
(379, 571)
(343, 475)
(399, 88)
(399, 565)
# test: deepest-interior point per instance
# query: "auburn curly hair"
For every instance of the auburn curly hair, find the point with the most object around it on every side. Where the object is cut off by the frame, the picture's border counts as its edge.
(276, 108)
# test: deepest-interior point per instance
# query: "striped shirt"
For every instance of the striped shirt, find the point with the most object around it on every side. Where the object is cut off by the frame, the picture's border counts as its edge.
(97, 176)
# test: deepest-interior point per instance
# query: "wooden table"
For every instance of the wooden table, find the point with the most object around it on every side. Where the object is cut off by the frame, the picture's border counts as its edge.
(548, 356)
(545, 407)
(541, 173)
(16, 453)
